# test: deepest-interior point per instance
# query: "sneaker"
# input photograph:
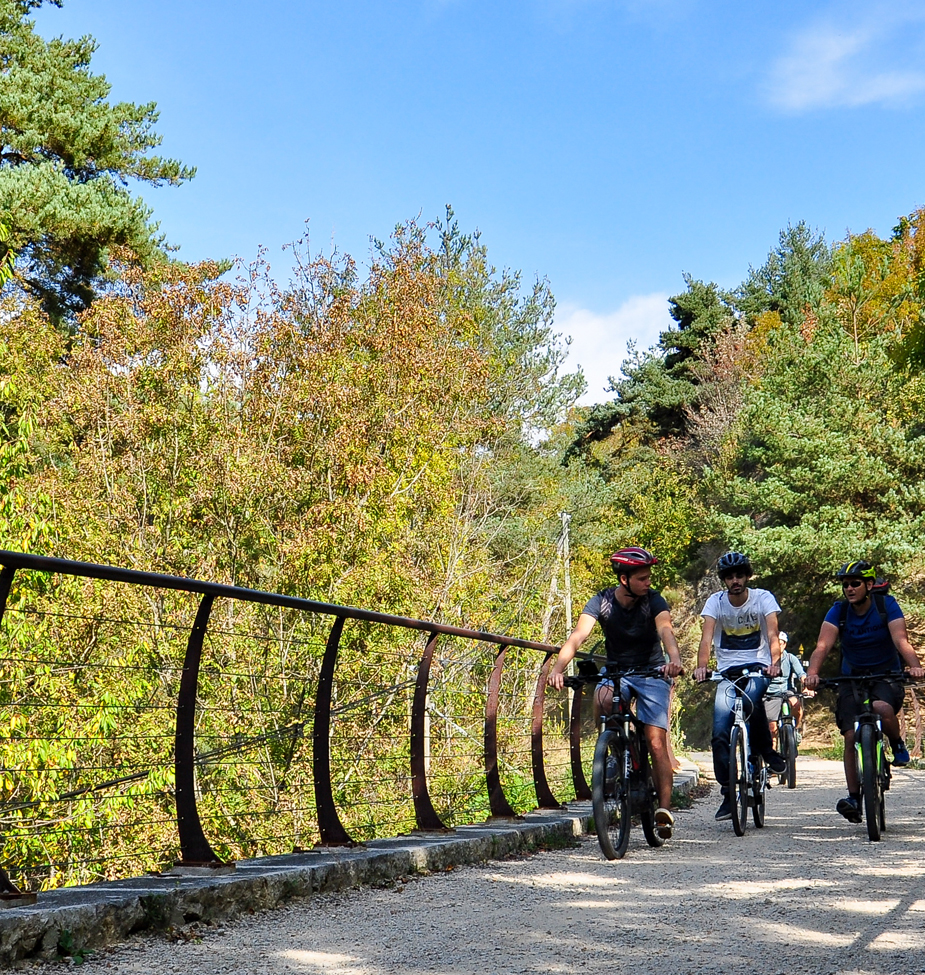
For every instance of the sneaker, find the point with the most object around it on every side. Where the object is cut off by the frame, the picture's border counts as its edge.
(900, 753)
(775, 762)
(725, 809)
(850, 808)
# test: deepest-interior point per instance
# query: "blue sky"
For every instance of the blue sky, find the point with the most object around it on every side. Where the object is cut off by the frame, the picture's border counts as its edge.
(606, 145)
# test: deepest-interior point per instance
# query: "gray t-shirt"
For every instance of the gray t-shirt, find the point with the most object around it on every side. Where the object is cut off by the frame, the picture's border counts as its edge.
(630, 635)
(790, 667)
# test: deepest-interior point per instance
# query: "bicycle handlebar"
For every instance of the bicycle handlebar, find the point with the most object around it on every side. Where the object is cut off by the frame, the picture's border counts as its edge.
(901, 676)
(752, 670)
(577, 680)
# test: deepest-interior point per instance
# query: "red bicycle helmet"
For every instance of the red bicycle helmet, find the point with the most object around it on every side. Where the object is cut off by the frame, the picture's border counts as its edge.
(632, 558)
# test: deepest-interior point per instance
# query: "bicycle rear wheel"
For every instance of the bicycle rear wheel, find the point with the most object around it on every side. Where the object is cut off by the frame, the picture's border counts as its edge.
(759, 790)
(738, 780)
(870, 780)
(788, 748)
(649, 804)
(610, 795)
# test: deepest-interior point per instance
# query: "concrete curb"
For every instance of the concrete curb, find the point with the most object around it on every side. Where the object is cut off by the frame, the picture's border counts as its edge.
(103, 913)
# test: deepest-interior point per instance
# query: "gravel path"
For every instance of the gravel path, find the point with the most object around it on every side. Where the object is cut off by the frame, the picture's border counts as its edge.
(808, 894)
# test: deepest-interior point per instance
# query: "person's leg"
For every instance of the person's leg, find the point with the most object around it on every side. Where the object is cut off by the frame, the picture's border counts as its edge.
(845, 708)
(758, 719)
(652, 702)
(851, 765)
(722, 724)
(772, 708)
(796, 706)
(675, 764)
(888, 719)
(603, 698)
(662, 772)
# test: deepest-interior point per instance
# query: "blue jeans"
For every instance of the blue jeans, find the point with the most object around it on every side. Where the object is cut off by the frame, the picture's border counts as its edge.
(759, 735)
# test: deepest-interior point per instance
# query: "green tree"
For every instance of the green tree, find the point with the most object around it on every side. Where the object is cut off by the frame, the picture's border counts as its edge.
(793, 280)
(66, 156)
(662, 383)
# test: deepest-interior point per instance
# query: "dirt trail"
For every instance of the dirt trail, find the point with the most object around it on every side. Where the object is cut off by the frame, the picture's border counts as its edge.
(806, 895)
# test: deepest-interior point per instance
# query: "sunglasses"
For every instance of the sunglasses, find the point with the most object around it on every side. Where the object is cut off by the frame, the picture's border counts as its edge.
(852, 583)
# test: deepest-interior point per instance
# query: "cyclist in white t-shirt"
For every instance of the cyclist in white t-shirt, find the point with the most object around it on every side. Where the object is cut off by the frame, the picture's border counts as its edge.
(740, 628)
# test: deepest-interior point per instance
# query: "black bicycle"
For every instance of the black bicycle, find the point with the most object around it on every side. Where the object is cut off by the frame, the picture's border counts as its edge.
(787, 738)
(869, 749)
(748, 775)
(621, 775)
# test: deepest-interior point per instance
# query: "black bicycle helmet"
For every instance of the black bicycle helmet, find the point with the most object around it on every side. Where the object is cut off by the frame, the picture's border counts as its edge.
(731, 561)
(858, 569)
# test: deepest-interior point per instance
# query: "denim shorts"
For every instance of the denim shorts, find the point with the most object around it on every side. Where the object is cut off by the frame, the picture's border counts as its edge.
(652, 698)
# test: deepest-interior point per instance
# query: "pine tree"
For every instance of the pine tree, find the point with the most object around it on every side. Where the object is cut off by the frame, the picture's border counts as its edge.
(66, 156)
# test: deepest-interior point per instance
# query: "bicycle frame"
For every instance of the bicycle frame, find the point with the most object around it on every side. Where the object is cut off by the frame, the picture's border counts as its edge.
(748, 776)
(621, 781)
(787, 739)
(873, 769)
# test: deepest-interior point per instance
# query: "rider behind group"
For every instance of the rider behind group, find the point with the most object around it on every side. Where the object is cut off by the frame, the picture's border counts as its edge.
(785, 685)
(740, 628)
(869, 645)
(636, 621)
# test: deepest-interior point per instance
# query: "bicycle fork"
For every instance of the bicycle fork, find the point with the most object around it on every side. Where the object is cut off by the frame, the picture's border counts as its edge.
(880, 758)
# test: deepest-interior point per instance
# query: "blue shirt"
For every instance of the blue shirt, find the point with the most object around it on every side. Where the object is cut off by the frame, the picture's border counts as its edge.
(866, 643)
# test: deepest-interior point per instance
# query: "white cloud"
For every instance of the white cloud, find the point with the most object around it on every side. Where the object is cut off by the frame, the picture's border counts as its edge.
(849, 62)
(599, 342)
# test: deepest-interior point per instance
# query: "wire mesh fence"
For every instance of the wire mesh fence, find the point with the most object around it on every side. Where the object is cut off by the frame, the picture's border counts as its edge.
(92, 671)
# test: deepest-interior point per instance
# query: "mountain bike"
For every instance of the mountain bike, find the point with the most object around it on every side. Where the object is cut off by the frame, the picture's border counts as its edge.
(748, 775)
(621, 775)
(787, 738)
(869, 747)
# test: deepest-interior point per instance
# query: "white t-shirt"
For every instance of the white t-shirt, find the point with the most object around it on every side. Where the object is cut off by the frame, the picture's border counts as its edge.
(741, 634)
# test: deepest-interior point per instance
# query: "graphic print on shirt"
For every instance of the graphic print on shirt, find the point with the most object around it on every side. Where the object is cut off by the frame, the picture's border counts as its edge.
(741, 631)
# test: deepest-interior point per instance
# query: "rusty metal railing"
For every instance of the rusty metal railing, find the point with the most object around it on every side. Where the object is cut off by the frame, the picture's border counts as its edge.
(196, 847)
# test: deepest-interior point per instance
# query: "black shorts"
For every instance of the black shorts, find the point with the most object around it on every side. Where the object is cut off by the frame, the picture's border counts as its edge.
(891, 692)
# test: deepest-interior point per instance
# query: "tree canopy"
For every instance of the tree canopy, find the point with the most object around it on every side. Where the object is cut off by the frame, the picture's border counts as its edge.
(67, 156)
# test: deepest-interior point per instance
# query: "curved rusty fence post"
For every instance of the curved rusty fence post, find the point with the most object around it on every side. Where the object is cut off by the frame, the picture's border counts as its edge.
(497, 801)
(330, 828)
(582, 790)
(6, 580)
(544, 797)
(194, 847)
(424, 812)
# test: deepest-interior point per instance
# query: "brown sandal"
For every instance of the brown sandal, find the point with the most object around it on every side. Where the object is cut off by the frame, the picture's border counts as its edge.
(664, 823)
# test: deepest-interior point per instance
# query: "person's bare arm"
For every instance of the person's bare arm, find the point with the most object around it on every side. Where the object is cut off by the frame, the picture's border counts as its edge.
(669, 642)
(774, 644)
(705, 648)
(901, 641)
(567, 651)
(828, 634)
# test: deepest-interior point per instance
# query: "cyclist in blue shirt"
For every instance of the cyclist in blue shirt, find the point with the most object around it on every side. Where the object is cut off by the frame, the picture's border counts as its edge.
(873, 641)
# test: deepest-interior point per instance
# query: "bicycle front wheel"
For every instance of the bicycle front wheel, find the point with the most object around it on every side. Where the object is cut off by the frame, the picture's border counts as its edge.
(738, 780)
(868, 756)
(788, 748)
(610, 795)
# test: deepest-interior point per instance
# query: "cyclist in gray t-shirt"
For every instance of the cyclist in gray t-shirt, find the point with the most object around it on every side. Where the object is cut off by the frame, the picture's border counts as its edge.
(637, 626)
